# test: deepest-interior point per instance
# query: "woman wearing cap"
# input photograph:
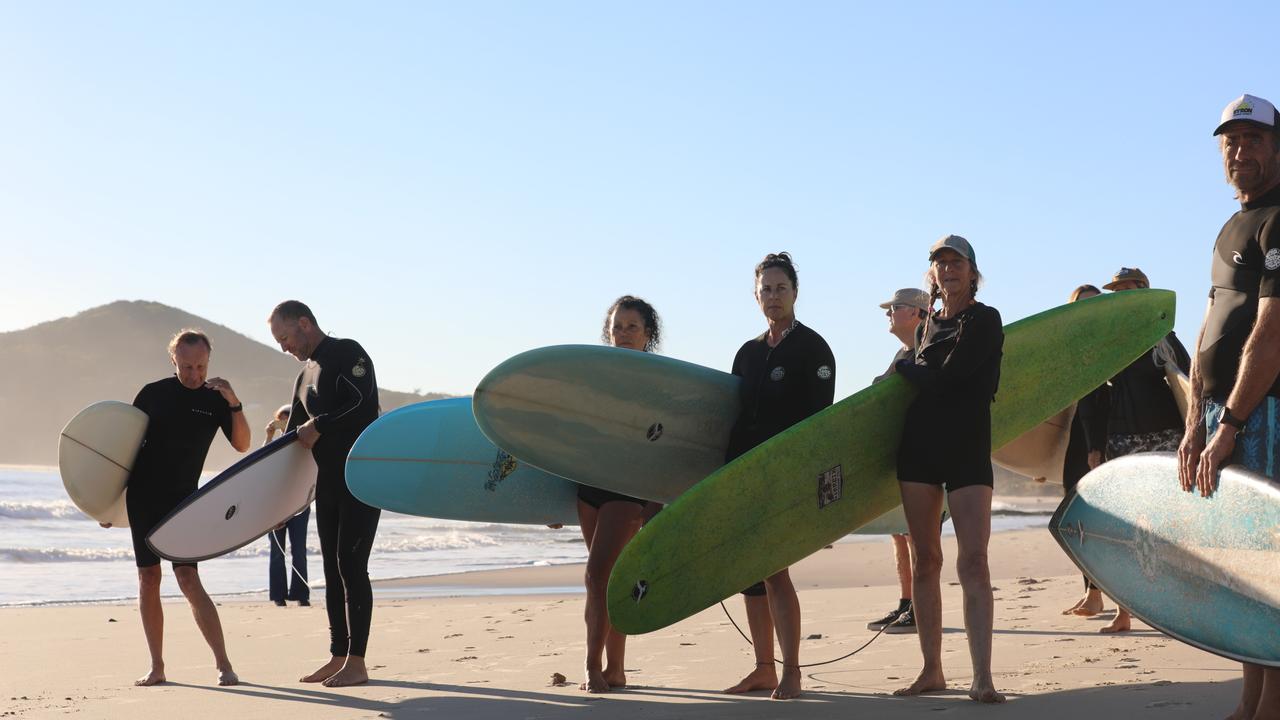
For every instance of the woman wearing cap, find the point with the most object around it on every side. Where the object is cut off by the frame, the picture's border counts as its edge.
(905, 311)
(1140, 412)
(609, 520)
(788, 373)
(946, 443)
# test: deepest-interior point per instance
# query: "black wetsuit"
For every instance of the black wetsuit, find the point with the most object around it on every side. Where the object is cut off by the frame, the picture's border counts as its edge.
(780, 387)
(1246, 267)
(181, 425)
(946, 436)
(337, 389)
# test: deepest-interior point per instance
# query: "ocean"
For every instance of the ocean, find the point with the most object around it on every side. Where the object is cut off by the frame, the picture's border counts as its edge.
(51, 553)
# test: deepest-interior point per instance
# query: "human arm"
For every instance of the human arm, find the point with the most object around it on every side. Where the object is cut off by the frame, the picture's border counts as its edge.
(349, 377)
(1259, 365)
(1193, 435)
(239, 435)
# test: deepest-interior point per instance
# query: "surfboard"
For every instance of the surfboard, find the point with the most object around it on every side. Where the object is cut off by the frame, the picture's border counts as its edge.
(430, 459)
(635, 423)
(96, 451)
(836, 470)
(1040, 452)
(240, 504)
(1203, 570)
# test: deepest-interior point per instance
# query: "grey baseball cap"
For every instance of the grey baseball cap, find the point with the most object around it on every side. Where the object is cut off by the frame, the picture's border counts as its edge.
(915, 297)
(957, 243)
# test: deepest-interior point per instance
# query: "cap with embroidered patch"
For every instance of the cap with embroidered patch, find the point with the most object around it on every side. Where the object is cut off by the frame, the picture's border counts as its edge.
(1248, 108)
(914, 297)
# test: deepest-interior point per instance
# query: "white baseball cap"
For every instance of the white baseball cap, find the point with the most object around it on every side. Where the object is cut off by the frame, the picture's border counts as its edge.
(1248, 108)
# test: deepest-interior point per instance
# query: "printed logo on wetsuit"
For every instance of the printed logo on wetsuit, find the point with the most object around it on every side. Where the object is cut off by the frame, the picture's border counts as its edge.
(824, 372)
(1236, 257)
(1272, 260)
(777, 373)
(358, 370)
(202, 412)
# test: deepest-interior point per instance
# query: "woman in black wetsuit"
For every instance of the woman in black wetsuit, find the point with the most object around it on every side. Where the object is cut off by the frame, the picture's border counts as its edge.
(946, 442)
(788, 374)
(609, 520)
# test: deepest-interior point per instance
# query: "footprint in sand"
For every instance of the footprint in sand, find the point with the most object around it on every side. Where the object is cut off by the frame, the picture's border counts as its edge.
(446, 637)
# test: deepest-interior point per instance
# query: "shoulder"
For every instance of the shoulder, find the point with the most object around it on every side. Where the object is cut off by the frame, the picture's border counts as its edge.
(811, 339)
(985, 315)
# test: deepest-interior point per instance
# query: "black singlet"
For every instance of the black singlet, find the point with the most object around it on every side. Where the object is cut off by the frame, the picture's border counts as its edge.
(780, 386)
(946, 436)
(1140, 400)
(1246, 267)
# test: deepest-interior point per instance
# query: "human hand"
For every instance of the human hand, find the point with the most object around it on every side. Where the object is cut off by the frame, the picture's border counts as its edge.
(1215, 455)
(104, 525)
(1189, 459)
(224, 388)
(308, 434)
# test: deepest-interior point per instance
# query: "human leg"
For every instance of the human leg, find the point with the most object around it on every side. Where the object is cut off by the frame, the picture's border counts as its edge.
(278, 579)
(358, 524)
(335, 598)
(922, 504)
(760, 625)
(206, 615)
(297, 531)
(971, 515)
(152, 615)
(784, 605)
(613, 525)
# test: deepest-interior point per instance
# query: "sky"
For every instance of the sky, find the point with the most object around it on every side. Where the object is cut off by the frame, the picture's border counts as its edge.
(453, 183)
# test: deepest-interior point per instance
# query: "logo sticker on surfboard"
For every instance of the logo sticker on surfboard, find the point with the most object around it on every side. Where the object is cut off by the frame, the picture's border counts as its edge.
(830, 486)
(503, 465)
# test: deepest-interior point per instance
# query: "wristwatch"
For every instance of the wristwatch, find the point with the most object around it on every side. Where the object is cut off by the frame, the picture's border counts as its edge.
(236, 408)
(1229, 419)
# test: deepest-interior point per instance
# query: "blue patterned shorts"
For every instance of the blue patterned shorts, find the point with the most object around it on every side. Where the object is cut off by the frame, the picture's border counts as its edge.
(1258, 448)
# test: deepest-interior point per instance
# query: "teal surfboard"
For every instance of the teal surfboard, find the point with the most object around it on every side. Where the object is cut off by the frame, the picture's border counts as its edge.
(429, 459)
(1203, 570)
(635, 423)
(836, 471)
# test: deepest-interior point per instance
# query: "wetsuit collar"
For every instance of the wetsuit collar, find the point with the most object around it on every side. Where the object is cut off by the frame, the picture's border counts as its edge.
(1267, 199)
(316, 350)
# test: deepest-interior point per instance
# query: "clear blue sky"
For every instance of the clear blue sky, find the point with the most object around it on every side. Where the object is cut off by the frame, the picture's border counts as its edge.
(451, 183)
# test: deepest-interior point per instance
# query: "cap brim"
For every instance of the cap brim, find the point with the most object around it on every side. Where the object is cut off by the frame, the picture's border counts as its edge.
(1223, 126)
(1112, 285)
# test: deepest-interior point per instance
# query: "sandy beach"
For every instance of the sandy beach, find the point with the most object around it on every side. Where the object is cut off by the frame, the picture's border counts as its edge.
(494, 656)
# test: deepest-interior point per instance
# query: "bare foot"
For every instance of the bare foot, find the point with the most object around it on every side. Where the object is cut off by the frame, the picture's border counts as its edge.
(617, 679)
(228, 677)
(1119, 625)
(326, 671)
(155, 677)
(1072, 610)
(985, 693)
(1091, 605)
(595, 682)
(927, 681)
(789, 687)
(352, 673)
(764, 677)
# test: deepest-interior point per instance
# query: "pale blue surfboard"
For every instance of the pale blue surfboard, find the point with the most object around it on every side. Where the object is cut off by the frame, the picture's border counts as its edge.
(635, 423)
(1203, 570)
(429, 459)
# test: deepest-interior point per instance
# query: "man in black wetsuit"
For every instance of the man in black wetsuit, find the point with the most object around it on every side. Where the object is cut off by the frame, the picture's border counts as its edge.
(334, 400)
(1235, 392)
(185, 411)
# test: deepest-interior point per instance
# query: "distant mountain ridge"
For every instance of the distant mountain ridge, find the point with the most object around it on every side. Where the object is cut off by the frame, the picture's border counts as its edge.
(48, 372)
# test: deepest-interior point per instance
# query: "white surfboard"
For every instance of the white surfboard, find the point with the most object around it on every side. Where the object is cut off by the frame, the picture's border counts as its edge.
(96, 451)
(269, 486)
(1040, 452)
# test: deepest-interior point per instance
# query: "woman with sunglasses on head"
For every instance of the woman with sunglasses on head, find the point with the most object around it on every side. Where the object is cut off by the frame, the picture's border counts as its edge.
(946, 444)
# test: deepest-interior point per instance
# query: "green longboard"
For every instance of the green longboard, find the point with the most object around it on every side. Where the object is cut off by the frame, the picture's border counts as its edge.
(836, 471)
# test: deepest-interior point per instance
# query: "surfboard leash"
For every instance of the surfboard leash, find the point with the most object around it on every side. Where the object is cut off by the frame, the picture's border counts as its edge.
(806, 665)
(280, 544)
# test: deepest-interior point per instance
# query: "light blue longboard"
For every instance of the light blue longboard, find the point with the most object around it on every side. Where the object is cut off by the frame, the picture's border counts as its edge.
(429, 459)
(631, 422)
(1203, 570)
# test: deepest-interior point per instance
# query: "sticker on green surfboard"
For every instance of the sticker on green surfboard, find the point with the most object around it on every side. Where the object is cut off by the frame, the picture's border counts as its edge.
(836, 471)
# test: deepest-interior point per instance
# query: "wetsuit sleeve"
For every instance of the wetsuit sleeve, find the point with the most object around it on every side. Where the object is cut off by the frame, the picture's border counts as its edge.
(1092, 409)
(142, 400)
(354, 383)
(297, 411)
(821, 374)
(1269, 244)
(980, 336)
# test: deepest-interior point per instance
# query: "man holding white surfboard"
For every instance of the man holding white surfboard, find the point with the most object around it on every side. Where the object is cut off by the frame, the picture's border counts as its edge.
(1235, 397)
(334, 399)
(185, 412)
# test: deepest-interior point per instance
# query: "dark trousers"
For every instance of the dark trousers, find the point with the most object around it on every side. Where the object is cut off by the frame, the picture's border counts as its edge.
(347, 528)
(285, 584)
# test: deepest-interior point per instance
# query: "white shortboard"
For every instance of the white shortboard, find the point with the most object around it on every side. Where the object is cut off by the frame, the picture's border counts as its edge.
(96, 451)
(266, 488)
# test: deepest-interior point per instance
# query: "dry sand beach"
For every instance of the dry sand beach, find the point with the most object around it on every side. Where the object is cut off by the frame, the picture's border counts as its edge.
(494, 656)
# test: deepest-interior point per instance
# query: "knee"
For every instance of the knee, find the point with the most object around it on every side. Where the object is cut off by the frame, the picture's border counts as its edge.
(928, 564)
(973, 567)
(149, 578)
(188, 580)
